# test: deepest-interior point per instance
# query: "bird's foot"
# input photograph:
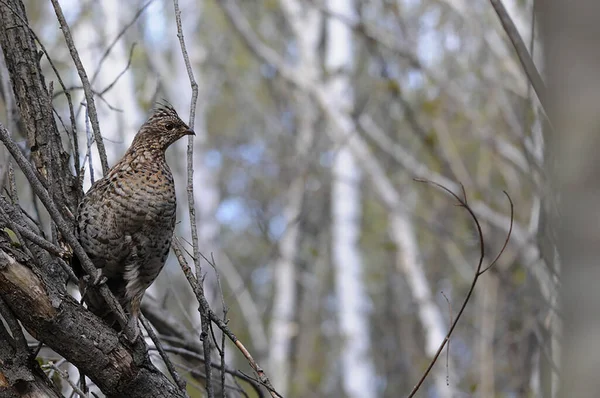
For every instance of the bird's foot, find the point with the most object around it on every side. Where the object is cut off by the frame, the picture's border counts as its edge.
(98, 280)
(132, 329)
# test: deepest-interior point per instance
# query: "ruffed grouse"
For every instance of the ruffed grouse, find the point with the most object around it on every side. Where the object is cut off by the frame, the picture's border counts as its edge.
(125, 221)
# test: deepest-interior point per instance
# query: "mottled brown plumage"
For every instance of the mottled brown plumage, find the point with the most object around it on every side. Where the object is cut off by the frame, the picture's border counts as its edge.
(125, 221)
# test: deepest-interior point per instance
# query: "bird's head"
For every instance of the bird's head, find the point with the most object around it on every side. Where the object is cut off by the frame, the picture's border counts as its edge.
(162, 129)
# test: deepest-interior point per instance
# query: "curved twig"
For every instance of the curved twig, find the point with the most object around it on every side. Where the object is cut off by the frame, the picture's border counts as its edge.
(478, 272)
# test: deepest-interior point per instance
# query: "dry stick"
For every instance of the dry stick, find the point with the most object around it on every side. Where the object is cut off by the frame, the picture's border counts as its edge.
(225, 311)
(197, 374)
(87, 88)
(262, 377)
(28, 234)
(212, 263)
(116, 79)
(235, 373)
(118, 37)
(521, 49)
(190, 147)
(478, 272)
(63, 226)
(199, 290)
(178, 380)
(89, 140)
(65, 376)
(448, 349)
(165, 323)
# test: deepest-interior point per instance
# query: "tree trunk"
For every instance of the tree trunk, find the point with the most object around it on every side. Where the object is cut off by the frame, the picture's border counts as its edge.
(358, 370)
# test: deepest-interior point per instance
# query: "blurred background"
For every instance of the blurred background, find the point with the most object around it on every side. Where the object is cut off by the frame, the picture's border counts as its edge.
(341, 273)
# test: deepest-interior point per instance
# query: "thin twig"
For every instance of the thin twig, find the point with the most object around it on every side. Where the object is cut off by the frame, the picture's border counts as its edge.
(89, 141)
(478, 273)
(11, 218)
(225, 311)
(65, 376)
(116, 79)
(28, 234)
(199, 290)
(448, 349)
(235, 373)
(178, 380)
(262, 377)
(117, 38)
(87, 88)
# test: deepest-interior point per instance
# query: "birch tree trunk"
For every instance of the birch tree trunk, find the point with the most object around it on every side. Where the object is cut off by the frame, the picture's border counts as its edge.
(358, 370)
(305, 23)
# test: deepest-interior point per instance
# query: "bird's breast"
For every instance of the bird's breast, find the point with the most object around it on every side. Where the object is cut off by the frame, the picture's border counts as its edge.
(146, 196)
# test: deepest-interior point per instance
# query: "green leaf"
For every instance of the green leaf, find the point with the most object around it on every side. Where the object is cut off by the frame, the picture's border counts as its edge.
(13, 237)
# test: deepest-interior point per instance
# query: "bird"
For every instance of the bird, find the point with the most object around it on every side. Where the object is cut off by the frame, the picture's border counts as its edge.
(125, 221)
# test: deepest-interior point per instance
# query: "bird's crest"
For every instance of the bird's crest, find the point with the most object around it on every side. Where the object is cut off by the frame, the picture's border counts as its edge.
(162, 110)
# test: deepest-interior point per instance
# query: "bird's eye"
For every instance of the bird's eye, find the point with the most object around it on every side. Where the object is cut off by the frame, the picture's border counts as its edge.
(169, 126)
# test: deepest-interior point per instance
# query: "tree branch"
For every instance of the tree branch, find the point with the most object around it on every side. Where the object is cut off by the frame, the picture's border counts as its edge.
(478, 272)
(263, 378)
(199, 290)
(52, 316)
(87, 88)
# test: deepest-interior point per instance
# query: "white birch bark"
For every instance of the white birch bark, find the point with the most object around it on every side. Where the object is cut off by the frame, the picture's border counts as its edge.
(304, 21)
(358, 370)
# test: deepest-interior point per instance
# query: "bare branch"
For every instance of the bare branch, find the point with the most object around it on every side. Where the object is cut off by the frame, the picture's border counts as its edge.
(65, 376)
(17, 372)
(199, 290)
(117, 38)
(478, 272)
(178, 380)
(87, 88)
(264, 380)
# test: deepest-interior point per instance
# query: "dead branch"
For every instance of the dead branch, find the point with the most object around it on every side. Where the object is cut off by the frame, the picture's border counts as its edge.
(462, 202)
(87, 88)
(262, 377)
(199, 289)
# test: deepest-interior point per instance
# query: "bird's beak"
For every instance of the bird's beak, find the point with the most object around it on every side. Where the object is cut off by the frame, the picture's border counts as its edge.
(190, 132)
